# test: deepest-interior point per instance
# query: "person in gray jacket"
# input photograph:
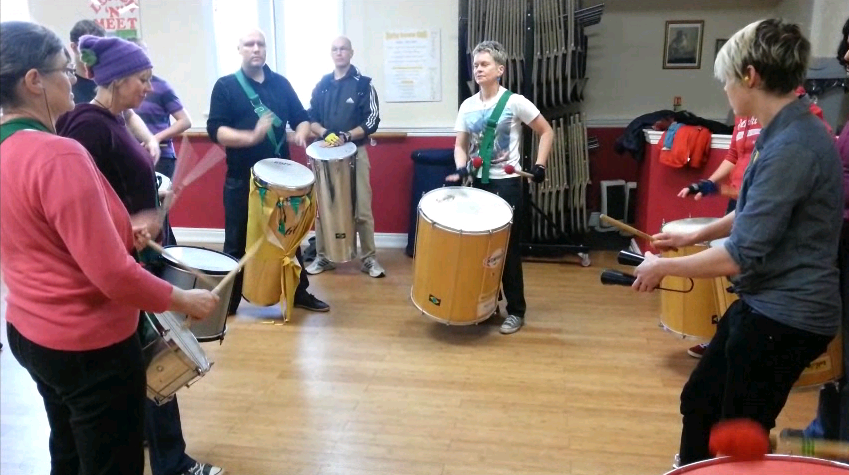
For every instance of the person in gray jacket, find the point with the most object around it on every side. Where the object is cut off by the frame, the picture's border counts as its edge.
(781, 250)
(344, 108)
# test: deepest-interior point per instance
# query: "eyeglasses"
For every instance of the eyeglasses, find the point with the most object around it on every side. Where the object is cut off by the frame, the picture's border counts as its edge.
(340, 50)
(69, 70)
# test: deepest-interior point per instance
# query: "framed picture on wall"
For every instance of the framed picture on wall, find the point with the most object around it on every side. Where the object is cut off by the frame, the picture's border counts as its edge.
(719, 43)
(682, 45)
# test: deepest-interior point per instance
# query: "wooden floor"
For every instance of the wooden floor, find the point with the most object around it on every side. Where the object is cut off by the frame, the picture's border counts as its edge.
(590, 386)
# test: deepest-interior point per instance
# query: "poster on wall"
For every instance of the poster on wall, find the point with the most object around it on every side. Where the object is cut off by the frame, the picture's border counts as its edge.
(412, 67)
(118, 17)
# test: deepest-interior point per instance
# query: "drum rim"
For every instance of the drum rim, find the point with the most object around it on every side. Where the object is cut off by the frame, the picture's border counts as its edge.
(205, 271)
(430, 220)
(273, 186)
(179, 336)
(315, 145)
(773, 457)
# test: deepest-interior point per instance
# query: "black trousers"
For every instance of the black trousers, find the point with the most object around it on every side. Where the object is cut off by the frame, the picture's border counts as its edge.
(747, 371)
(236, 194)
(512, 281)
(94, 402)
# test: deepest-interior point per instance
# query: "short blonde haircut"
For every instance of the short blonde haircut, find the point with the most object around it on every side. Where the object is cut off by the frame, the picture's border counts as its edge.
(777, 50)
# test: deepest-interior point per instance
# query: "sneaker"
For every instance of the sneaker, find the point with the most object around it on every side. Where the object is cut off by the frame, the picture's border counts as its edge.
(698, 350)
(372, 268)
(512, 324)
(320, 265)
(309, 302)
(204, 469)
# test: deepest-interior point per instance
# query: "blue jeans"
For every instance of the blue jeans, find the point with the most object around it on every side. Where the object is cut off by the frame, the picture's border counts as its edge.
(94, 401)
(832, 420)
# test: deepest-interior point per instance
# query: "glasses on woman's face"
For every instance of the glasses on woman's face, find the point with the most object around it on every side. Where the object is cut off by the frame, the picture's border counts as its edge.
(69, 70)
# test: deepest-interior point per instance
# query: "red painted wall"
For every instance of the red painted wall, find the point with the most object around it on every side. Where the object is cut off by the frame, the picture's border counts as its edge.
(201, 206)
(659, 184)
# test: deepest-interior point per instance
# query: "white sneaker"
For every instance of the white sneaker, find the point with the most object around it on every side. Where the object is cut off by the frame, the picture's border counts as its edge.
(320, 265)
(204, 469)
(372, 268)
(512, 324)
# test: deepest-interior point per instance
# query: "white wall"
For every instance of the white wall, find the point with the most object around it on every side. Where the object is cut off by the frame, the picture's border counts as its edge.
(625, 70)
(828, 16)
(179, 36)
(366, 21)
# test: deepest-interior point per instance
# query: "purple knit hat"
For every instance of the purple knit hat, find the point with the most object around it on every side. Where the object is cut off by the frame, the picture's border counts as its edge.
(112, 58)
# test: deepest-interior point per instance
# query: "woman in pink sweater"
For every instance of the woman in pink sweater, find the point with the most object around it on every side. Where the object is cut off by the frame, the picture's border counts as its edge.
(75, 290)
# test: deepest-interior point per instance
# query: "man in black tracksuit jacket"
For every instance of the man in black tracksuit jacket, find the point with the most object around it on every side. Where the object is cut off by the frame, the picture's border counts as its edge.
(344, 108)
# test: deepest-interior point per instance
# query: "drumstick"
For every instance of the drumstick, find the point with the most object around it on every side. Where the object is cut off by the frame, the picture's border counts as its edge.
(510, 170)
(200, 275)
(244, 260)
(624, 227)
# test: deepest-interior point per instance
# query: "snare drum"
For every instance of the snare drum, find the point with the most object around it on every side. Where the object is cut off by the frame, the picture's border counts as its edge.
(770, 465)
(691, 314)
(215, 265)
(722, 297)
(335, 177)
(172, 356)
(461, 243)
(281, 211)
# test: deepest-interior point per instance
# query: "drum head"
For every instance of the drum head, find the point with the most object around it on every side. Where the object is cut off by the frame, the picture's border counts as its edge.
(205, 260)
(466, 209)
(718, 242)
(318, 151)
(282, 173)
(686, 225)
(184, 339)
(162, 182)
(771, 465)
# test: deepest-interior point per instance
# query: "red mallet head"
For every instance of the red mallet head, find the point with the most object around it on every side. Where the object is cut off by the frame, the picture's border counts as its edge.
(477, 162)
(743, 439)
(509, 169)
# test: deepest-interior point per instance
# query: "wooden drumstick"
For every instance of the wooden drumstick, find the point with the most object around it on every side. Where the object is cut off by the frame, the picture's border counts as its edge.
(510, 170)
(624, 227)
(244, 260)
(200, 275)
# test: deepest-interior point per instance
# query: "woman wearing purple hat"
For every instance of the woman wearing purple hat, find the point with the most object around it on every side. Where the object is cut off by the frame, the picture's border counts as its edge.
(122, 72)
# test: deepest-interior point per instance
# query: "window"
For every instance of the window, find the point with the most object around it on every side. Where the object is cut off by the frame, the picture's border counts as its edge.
(14, 10)
(305, 30)
(298, 37)
(231, 19)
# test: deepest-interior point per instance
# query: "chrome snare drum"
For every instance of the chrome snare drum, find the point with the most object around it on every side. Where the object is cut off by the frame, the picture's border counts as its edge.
(215, 265)
(335, 176)
(172, 356)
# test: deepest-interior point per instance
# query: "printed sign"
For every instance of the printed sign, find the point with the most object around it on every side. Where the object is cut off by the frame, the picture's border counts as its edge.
(118, 17)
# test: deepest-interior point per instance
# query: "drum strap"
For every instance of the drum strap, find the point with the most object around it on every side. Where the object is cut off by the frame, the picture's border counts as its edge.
(488, 140)
(261, 110)
(16, 125)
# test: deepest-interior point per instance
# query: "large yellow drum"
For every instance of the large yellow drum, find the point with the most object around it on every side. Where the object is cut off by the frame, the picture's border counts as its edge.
(691, 314)
(281, 212)
(461, 243)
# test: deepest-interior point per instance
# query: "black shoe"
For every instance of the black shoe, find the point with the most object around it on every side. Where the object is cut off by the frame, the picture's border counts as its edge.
(309, 302)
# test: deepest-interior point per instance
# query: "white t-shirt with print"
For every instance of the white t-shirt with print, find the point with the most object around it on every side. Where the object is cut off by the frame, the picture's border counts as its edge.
(506, 149)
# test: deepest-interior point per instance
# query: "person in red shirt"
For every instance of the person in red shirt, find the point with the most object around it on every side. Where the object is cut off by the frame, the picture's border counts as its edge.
(74, 288)
(732, 169)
